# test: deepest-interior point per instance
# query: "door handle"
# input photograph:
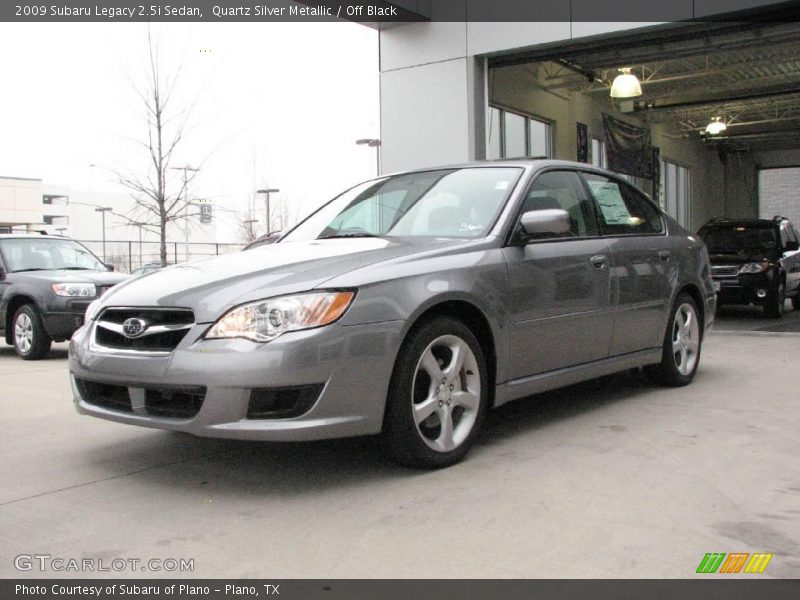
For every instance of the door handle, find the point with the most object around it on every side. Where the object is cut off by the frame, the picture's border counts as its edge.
(664, 255)
(599, 261)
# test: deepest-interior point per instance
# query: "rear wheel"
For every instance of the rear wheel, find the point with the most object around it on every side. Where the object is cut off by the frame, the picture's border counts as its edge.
(796, 300)
(438, 396)
(680, 354)
(774, 306)
(31, 341)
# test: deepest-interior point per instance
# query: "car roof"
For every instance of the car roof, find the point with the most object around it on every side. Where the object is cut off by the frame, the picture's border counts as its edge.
(36, 236)
(742, 222)
(525, 162)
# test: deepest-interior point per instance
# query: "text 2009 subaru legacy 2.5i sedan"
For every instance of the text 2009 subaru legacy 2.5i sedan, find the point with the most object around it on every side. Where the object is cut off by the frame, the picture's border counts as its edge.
(407, 306)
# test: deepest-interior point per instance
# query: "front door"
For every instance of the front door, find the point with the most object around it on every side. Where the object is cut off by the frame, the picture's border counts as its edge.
(560, 291)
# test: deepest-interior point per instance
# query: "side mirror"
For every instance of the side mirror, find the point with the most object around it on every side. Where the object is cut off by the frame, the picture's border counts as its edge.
(552, 221)
(791, 246)
(110, 266)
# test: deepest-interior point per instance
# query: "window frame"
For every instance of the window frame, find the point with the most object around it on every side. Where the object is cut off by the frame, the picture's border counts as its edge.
(501, 132)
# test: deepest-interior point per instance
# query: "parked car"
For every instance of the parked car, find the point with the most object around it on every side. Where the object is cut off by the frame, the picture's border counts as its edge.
(46, 284)
(407, 306)
(754, 261)
(148, 268)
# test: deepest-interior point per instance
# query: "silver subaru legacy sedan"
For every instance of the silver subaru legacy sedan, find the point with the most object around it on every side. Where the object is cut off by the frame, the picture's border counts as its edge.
(407, 307)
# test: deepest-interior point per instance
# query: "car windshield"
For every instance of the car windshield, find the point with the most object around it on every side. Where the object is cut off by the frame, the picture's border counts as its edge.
(40, 254)
(739, 238)
(460, 203)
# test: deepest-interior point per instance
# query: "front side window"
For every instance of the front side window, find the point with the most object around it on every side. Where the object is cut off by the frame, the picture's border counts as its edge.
(460, 203)
(38, 254)
(563, 190)
(621, 209)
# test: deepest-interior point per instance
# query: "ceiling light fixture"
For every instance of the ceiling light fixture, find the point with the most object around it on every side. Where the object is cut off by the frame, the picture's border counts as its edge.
(716, 126)
(626, 85)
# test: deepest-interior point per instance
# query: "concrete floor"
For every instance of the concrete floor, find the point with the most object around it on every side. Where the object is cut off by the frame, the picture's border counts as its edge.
(614, 478)
(752, 318)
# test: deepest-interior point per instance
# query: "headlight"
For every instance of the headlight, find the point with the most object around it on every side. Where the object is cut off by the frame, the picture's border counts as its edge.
(265, 320)
(75, 290)
(754, 267)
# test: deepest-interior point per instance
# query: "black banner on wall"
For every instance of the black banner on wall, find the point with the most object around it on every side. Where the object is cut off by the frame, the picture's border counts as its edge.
(583, 143)
(628, 148)
(656, 166)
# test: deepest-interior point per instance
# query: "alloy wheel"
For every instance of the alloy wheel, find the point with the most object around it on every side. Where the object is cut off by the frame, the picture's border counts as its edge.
(685, 339)
(446, 393)
(23, 333)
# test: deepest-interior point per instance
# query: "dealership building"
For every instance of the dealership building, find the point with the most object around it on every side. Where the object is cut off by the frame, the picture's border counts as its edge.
(713, 111)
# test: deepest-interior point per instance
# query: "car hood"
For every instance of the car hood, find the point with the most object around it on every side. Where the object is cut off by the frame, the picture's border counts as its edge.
(212, 286)
(99, 278)
(740, 258)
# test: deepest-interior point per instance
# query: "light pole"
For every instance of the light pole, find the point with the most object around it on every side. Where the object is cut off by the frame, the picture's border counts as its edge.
(267, 192)
(373, 143)
(186, 169)
(103, 210)
(140, 225)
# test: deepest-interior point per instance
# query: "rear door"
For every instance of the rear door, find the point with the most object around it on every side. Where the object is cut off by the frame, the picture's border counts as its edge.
(559, 285)
(642, 263)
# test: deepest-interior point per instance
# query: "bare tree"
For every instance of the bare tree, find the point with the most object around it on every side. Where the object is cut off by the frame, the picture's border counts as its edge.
(246, 227)
(159, 201)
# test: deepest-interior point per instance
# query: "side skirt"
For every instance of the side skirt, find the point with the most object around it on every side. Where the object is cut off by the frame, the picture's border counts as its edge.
(535, 384)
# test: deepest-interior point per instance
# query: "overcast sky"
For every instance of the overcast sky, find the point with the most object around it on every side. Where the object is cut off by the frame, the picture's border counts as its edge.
(277, 104)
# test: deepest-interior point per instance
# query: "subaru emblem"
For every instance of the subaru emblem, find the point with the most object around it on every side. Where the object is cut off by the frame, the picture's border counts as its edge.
(133, 327)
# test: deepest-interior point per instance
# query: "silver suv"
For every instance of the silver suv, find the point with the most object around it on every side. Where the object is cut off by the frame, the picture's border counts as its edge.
(407, 306)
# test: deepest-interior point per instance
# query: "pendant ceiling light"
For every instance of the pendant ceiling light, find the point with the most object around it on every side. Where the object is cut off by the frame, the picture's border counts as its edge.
(626, 85)
(716, 126)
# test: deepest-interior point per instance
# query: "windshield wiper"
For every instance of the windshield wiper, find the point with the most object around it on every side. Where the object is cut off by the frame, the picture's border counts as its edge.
(75, 269)
(27, 270)
(349, 234)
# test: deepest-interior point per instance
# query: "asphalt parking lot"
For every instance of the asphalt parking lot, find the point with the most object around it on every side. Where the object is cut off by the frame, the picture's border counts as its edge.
(613, 478)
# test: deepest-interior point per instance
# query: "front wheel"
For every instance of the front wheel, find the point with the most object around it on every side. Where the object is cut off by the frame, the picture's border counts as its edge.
(774, 306)
(683, 339)
(438, 395)
(31, 341)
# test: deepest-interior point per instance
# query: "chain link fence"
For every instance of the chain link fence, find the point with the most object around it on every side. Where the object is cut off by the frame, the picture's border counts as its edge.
(127, 255)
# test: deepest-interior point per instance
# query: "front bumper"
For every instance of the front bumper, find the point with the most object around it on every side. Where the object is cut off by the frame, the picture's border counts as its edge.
(351, 365)
(753, 288)
(62, 316)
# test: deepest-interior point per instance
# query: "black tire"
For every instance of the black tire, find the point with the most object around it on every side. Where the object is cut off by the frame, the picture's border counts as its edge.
(412, 390)
(672, 370)
(30, 338)
(796, 301)
(775, 303)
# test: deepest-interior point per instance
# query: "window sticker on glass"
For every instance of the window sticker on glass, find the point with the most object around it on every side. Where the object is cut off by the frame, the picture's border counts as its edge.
(501, 185)
(612, 205)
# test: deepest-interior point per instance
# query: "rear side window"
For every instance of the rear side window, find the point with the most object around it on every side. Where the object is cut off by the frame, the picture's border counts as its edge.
(622, 210)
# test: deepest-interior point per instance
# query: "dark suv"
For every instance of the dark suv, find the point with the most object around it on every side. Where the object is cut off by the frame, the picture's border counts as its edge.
(46, 284)
(754, 261)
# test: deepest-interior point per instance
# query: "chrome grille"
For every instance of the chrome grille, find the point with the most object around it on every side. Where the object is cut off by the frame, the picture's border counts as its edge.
(725, 270)
(160, 329)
